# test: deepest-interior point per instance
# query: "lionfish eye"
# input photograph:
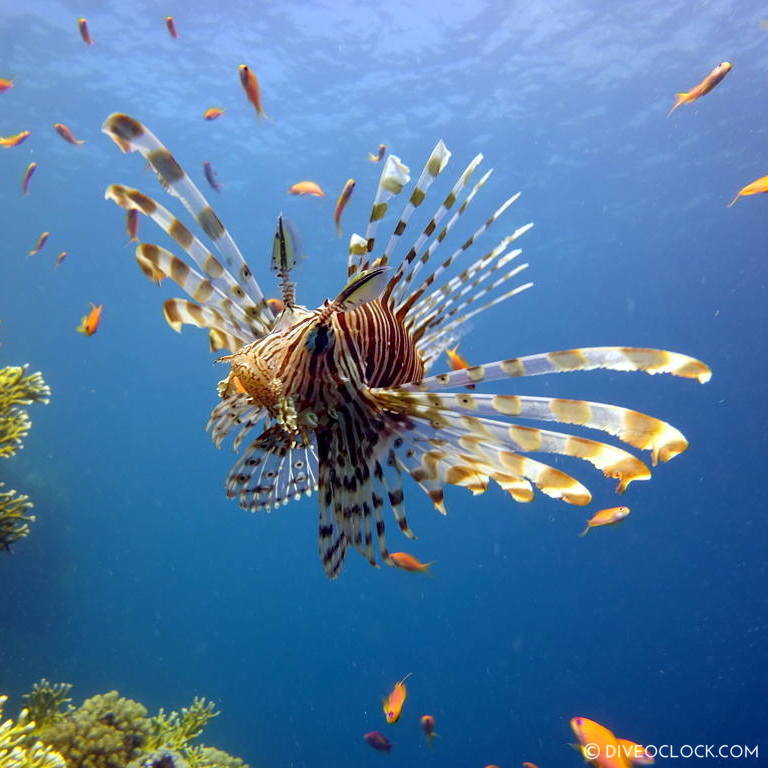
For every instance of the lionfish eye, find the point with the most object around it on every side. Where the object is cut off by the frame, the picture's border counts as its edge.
(319, 339)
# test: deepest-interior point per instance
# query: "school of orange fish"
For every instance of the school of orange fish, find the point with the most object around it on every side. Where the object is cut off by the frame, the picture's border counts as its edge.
(605, 749)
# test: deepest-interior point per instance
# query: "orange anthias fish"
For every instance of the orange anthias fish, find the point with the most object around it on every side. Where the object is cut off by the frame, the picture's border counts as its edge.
(393, 703)
(756, 187)
(14, 141)
(530, 765)
(410, 563)
(606, 517)
(31, 168)
(5, 84)
(90, 322)
(428, 726)
(341, 203)
(66, 134)
(705, 86)
(40, 243)
(170, 24)
(457, 362)
(252, 90)
(597, 744)
(212, 113)
(85, 33)
(59, 261)
(276, 305)
(306, 188)
(132, 224)
(379, 154)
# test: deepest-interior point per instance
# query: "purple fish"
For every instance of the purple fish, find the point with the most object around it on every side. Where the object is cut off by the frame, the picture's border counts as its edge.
(211, 176)
(378, 741)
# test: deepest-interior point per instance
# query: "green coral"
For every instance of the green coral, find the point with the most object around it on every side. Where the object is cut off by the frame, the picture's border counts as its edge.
(175, 730)
(14, 520)
(109, 731)
(106, 731)
(18, 746)
(16, 389)
(47, 702)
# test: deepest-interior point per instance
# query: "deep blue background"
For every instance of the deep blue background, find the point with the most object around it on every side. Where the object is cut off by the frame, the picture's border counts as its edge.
(141, 576)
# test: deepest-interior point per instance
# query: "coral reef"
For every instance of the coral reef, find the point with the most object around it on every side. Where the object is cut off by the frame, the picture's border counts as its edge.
(16, 389)
(14, 520)
(47, 702)
(106, 731)
(19, 748)
(110, 731)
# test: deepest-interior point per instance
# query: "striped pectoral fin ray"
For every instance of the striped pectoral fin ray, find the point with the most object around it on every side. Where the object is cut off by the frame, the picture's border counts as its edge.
(131, 136)
(178, 312)
(250, 313)
(632, 427)
(232, 410)
(582, 359)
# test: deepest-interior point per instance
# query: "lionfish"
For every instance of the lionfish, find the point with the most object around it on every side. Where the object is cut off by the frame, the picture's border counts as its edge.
(342, 395)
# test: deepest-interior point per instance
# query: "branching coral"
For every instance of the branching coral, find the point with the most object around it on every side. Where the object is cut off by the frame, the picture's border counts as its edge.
(110, 731)
(20, 749)
(47, 702)
(14, 520)
(17, 389)
(175, 731)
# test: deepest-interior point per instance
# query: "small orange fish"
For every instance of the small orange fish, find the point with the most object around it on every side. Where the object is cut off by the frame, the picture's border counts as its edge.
(14, 141)
(530, 765)
(606, 517)
(31, 168)
(597, 744)
(276, 305)
(393, 703)
(379, 154)
(90, 322)
(5, 84)
(754, 188)
(252, 90)
(132, 224)
(341, 203)
(306, 188)
(705, 86)
(457, 362)
(40, 243)
(212, 113)
(410, 563)
(428, 726)
(59, 260)
(85, 33)
(66, 134)
(170, 24)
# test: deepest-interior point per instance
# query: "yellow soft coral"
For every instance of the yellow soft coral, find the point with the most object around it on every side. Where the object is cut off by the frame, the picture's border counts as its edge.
(105, 731)
(176, 730)
(14, 520)
(17, 389)
(20, 749)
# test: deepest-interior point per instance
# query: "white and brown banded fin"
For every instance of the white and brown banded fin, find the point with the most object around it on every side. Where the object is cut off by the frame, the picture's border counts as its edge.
(581, 359)
(238, 305)
(130, 135)
(178, 312)
(235, 409)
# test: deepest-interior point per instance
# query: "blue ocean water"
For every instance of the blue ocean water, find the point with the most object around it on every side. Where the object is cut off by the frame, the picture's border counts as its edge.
(140, 575)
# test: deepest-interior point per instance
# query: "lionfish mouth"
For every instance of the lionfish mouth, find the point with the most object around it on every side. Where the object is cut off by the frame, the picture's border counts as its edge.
(341, 399)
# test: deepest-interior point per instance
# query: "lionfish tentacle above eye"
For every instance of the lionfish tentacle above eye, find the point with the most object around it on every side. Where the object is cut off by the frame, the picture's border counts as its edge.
(337, 399)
